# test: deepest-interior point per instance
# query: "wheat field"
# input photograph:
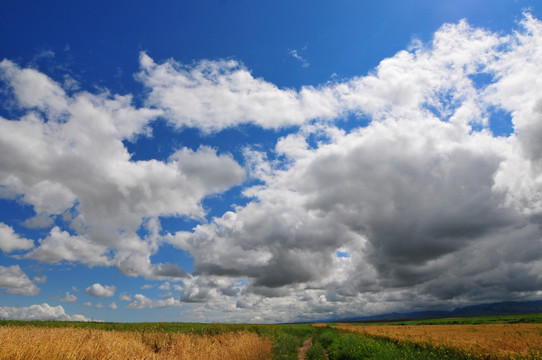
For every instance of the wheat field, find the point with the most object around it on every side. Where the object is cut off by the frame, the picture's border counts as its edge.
(28, 342)
(494, 341)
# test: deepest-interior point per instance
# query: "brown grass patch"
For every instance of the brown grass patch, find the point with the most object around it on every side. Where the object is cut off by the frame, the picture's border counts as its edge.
(483, 341)
(27, 342)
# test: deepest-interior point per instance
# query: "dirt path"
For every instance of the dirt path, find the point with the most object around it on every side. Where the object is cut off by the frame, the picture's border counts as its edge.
(302, 350)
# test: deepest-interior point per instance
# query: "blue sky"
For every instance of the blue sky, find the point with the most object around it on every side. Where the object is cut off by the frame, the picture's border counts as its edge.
(267, 161)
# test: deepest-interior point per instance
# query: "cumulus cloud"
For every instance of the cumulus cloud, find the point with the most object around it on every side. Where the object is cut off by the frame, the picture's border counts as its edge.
(10, 241)
(213, 95)
(143, 302)
(165, 286)
(67, 298)
(430, 206)
(39, 312)
(14, 281)
(133, 263)
(200, 289)
(60, 245)
(125, 297)
(34, 89)
(99, 290)
(40, 279)
(65, 155)
(113, 306)
(39, 221)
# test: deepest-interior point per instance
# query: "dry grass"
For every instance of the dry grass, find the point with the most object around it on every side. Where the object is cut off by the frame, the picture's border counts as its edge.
(26, 342)
(495, 341)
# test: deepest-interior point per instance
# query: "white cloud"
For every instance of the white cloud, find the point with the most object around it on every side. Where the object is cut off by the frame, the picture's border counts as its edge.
(213, 95)
(68, 298)
(133, 263)
(34, 89)
(301, 59)
(147, 287)
(99, 290)
(65, 154)
(165, 286)
(40, 279)
(125, 297)
(15, 281)
(113, 306)
(99, 306)
(39, 221)
(60, 245)
(200, 289)
(39, 312)
(205, 171)
(143, 302)
(517, 91)
(10, 241)
(87, 303)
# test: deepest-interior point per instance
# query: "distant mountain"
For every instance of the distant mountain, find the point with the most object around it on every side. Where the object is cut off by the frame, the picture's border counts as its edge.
(500, 308)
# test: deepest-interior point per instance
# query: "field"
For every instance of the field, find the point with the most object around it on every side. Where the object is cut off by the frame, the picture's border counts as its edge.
(518, 337)
(53, 340)
(476, 337)
(72, 343)
(500, 341)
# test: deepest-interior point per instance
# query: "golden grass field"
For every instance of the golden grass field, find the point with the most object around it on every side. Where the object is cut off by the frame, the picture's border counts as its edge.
(28, 342)
(500, 341)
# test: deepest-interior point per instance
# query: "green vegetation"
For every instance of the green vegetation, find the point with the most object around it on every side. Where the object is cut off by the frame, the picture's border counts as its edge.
(342, 345)
(316, 352)
(286, 339)
(187, 328)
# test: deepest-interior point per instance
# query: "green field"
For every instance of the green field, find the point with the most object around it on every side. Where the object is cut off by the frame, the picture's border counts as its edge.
(342, 345)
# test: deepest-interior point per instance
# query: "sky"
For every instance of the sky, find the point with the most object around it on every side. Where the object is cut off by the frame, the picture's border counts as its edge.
(268, 161)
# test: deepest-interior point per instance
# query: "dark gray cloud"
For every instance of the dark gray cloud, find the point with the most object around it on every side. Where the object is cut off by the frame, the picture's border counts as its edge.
(428, 208)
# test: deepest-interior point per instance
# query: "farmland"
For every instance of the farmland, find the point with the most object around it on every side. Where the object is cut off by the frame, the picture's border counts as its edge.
(482, 341)
(478, 337)
(73, 343)
(72, 340)
(513, 337)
